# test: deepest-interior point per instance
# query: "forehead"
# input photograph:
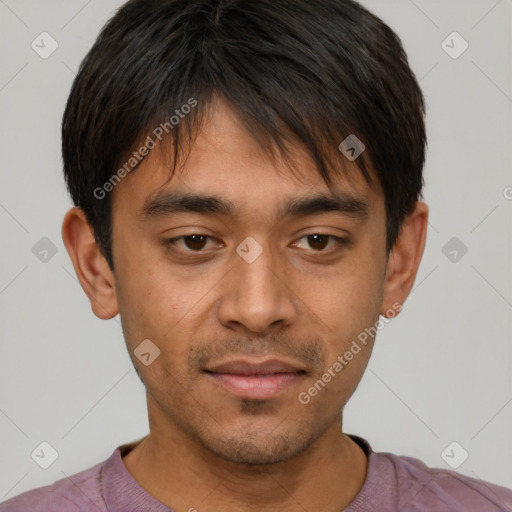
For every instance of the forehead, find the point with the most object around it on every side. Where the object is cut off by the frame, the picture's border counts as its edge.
(225, 161)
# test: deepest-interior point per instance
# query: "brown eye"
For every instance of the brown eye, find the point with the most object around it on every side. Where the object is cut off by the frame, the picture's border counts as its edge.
(195, 242)
(321, 243)
(189, 243)
(318, 242)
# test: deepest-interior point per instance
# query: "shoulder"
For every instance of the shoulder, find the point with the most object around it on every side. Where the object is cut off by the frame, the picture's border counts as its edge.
(419, 486)
(70, 494)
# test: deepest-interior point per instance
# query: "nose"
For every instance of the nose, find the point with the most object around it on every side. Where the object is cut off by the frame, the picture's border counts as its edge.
(255, 296)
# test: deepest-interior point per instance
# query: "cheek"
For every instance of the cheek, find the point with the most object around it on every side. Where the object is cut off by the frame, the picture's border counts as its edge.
(160, 303)
(347, 299)
(148, 300)
(345, 305)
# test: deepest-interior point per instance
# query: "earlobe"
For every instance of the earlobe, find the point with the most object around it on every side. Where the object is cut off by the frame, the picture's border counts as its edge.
(92, 270)
(405, 258)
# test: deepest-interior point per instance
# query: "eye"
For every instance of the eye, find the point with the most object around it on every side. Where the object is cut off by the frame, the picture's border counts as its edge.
(189, 243)
(319, 241)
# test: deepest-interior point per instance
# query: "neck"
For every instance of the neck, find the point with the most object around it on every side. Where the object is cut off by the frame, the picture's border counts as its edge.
(184, 475)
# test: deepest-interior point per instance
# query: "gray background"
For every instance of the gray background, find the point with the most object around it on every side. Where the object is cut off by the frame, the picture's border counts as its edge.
(440, 372)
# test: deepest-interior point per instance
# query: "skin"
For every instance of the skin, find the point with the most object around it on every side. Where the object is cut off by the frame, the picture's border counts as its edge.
(207, 448)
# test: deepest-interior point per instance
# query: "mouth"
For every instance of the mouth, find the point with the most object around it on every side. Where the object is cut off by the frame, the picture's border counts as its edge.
(256, 380)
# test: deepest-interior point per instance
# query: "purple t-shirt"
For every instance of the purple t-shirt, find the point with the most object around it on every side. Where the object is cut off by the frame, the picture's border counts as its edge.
(393, 483)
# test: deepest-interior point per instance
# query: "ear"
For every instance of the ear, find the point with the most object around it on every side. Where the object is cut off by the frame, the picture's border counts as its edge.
(90, 265)
(404, 259)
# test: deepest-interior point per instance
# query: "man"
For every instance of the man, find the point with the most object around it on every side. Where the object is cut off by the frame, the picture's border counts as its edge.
(247, 179)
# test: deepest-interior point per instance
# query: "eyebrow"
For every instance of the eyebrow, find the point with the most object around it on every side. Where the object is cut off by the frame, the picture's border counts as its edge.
(168, 203)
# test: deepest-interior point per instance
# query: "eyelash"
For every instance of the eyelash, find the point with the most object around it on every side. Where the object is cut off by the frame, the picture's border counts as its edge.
(341, 242)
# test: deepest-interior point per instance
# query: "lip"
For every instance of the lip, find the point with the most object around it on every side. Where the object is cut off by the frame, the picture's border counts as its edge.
(256, 380)
(256, 387)
(246, 367)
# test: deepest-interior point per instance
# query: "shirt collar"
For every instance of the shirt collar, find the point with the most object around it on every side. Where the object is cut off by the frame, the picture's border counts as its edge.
(122, 493)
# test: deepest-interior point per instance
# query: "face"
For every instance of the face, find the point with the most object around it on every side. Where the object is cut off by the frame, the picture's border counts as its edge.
(251, 282)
